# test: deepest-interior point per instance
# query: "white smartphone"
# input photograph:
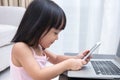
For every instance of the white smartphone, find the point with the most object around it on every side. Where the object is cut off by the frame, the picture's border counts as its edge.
(92, 50)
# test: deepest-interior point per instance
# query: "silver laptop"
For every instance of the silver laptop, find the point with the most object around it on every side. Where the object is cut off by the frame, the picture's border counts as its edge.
(100, 67)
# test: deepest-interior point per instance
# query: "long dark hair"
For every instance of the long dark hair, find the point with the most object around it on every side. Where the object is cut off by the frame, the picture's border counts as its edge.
(40, 17)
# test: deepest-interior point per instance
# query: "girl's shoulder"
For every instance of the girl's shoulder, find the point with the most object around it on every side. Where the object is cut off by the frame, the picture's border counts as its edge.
(20, 44)
(20, 47)
(20, 51)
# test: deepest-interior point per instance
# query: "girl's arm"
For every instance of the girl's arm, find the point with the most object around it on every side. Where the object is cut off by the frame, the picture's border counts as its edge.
(58, 58)
(22, 57)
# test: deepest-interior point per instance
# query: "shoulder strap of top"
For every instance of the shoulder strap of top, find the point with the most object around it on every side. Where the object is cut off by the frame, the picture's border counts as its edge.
(32, 51)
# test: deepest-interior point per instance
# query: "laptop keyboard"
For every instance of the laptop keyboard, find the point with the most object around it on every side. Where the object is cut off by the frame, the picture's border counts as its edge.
(105, 68)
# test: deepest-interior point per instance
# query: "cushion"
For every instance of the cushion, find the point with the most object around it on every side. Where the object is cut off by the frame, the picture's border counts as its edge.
(11, 15)
(6, 34)
(5, 57)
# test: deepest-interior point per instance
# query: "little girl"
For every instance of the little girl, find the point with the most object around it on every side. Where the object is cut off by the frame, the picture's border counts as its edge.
(39, 28)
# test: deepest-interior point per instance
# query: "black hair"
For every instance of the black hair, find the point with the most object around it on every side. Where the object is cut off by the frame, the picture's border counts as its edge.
(40, 17)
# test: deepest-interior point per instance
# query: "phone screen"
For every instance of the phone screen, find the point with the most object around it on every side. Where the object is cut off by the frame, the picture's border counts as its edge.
(92, 50)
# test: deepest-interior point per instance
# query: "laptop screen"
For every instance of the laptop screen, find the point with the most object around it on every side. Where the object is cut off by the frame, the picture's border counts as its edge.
(118, 50)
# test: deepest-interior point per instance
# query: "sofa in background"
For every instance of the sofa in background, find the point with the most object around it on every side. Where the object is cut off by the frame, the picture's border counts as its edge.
(10, 18)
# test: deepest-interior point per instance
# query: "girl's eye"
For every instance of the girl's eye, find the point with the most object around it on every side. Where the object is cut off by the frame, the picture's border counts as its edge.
(55, 33)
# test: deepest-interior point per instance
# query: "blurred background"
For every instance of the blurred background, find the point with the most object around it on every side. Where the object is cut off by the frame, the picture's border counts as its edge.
(90, 21)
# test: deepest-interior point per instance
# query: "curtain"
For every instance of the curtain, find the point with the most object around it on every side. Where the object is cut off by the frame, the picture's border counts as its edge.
(90, 21)
(20, 3)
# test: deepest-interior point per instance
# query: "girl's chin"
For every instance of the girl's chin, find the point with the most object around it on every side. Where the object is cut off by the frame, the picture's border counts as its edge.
(48, 46)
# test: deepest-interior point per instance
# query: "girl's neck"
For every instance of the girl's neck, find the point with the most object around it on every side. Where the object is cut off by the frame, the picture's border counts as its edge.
(39, 50)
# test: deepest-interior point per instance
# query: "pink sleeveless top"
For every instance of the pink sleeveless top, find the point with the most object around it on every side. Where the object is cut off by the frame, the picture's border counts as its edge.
(18, 73)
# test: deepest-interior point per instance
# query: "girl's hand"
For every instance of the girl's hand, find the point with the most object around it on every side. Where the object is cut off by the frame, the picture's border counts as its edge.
(75, 64)
(82, 55)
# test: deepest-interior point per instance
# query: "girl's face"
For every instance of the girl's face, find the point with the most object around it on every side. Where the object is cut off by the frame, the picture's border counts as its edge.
(49, 38)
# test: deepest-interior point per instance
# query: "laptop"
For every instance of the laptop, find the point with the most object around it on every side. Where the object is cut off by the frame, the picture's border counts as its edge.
(100, 67)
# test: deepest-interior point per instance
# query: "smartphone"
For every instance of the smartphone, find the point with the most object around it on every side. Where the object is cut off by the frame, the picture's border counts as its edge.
(92, 50)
